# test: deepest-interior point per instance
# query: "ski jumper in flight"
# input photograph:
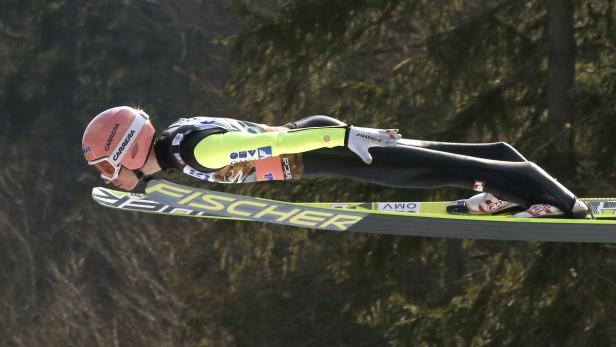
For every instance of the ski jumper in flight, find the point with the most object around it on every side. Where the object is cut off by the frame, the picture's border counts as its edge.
(121, 143)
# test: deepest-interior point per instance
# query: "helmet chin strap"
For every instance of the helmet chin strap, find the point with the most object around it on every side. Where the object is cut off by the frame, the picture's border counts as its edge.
(142, 177)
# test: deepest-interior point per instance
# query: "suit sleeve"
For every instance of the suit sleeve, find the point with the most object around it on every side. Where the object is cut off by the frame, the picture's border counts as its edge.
(219, 150)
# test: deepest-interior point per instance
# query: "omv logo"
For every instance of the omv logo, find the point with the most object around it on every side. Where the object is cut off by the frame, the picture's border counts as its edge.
(250, 155)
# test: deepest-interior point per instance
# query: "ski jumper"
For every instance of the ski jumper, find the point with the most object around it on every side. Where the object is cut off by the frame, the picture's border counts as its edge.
(230, 151)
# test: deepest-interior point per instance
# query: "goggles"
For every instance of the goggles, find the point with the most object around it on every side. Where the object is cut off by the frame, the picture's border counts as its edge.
(109, 171)
(110, 166)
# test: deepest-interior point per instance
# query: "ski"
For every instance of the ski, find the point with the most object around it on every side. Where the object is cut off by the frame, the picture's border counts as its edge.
(394, 218)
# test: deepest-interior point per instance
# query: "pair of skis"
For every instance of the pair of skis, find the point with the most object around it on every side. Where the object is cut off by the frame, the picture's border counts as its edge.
(394, 218)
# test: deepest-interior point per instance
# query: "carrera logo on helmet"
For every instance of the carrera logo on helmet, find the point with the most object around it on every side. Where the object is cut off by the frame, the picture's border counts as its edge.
(123, 146)
(111, 136)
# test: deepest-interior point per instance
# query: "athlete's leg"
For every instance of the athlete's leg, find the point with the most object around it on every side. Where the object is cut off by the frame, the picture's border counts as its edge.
(521, 182)
(430, 164)
(495, 150)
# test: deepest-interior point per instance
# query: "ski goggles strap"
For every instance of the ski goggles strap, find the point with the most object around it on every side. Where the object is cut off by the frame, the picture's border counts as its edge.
(107, 168)
(110, 166)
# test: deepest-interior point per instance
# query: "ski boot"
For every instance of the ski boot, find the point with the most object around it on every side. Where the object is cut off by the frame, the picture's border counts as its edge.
(579, 210)
(482, 204)
(488, 204)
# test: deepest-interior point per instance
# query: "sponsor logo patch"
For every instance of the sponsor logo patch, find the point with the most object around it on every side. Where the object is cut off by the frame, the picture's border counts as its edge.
(491, 205)
(478, 186)
(87, 150)
(197, 174)
(197, 202)
(250, 155)
(177, 139)
(601, 207)
(373, 139)
(398, 206)
(286, 167)
(268, 176)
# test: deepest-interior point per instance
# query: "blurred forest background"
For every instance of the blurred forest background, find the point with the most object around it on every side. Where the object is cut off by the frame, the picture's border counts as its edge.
(539, 74)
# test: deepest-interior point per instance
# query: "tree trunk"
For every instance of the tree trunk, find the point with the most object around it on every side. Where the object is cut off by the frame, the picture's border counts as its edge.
(561, 74)
(454, 267)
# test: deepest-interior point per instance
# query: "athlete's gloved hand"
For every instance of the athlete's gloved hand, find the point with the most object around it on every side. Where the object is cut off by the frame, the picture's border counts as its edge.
(359, 140)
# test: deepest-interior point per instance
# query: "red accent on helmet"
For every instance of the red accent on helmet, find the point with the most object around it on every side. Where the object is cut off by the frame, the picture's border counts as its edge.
(107, 129)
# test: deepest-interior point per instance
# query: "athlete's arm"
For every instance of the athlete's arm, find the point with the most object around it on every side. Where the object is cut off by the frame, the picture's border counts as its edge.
(219, 150)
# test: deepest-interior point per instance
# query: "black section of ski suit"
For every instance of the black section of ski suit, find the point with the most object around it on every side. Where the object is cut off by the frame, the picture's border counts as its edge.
(314, 122)
(164, 153)
(427, 164)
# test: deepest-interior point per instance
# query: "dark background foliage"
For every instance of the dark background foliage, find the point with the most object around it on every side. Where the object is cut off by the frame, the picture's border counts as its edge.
(540, 75)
